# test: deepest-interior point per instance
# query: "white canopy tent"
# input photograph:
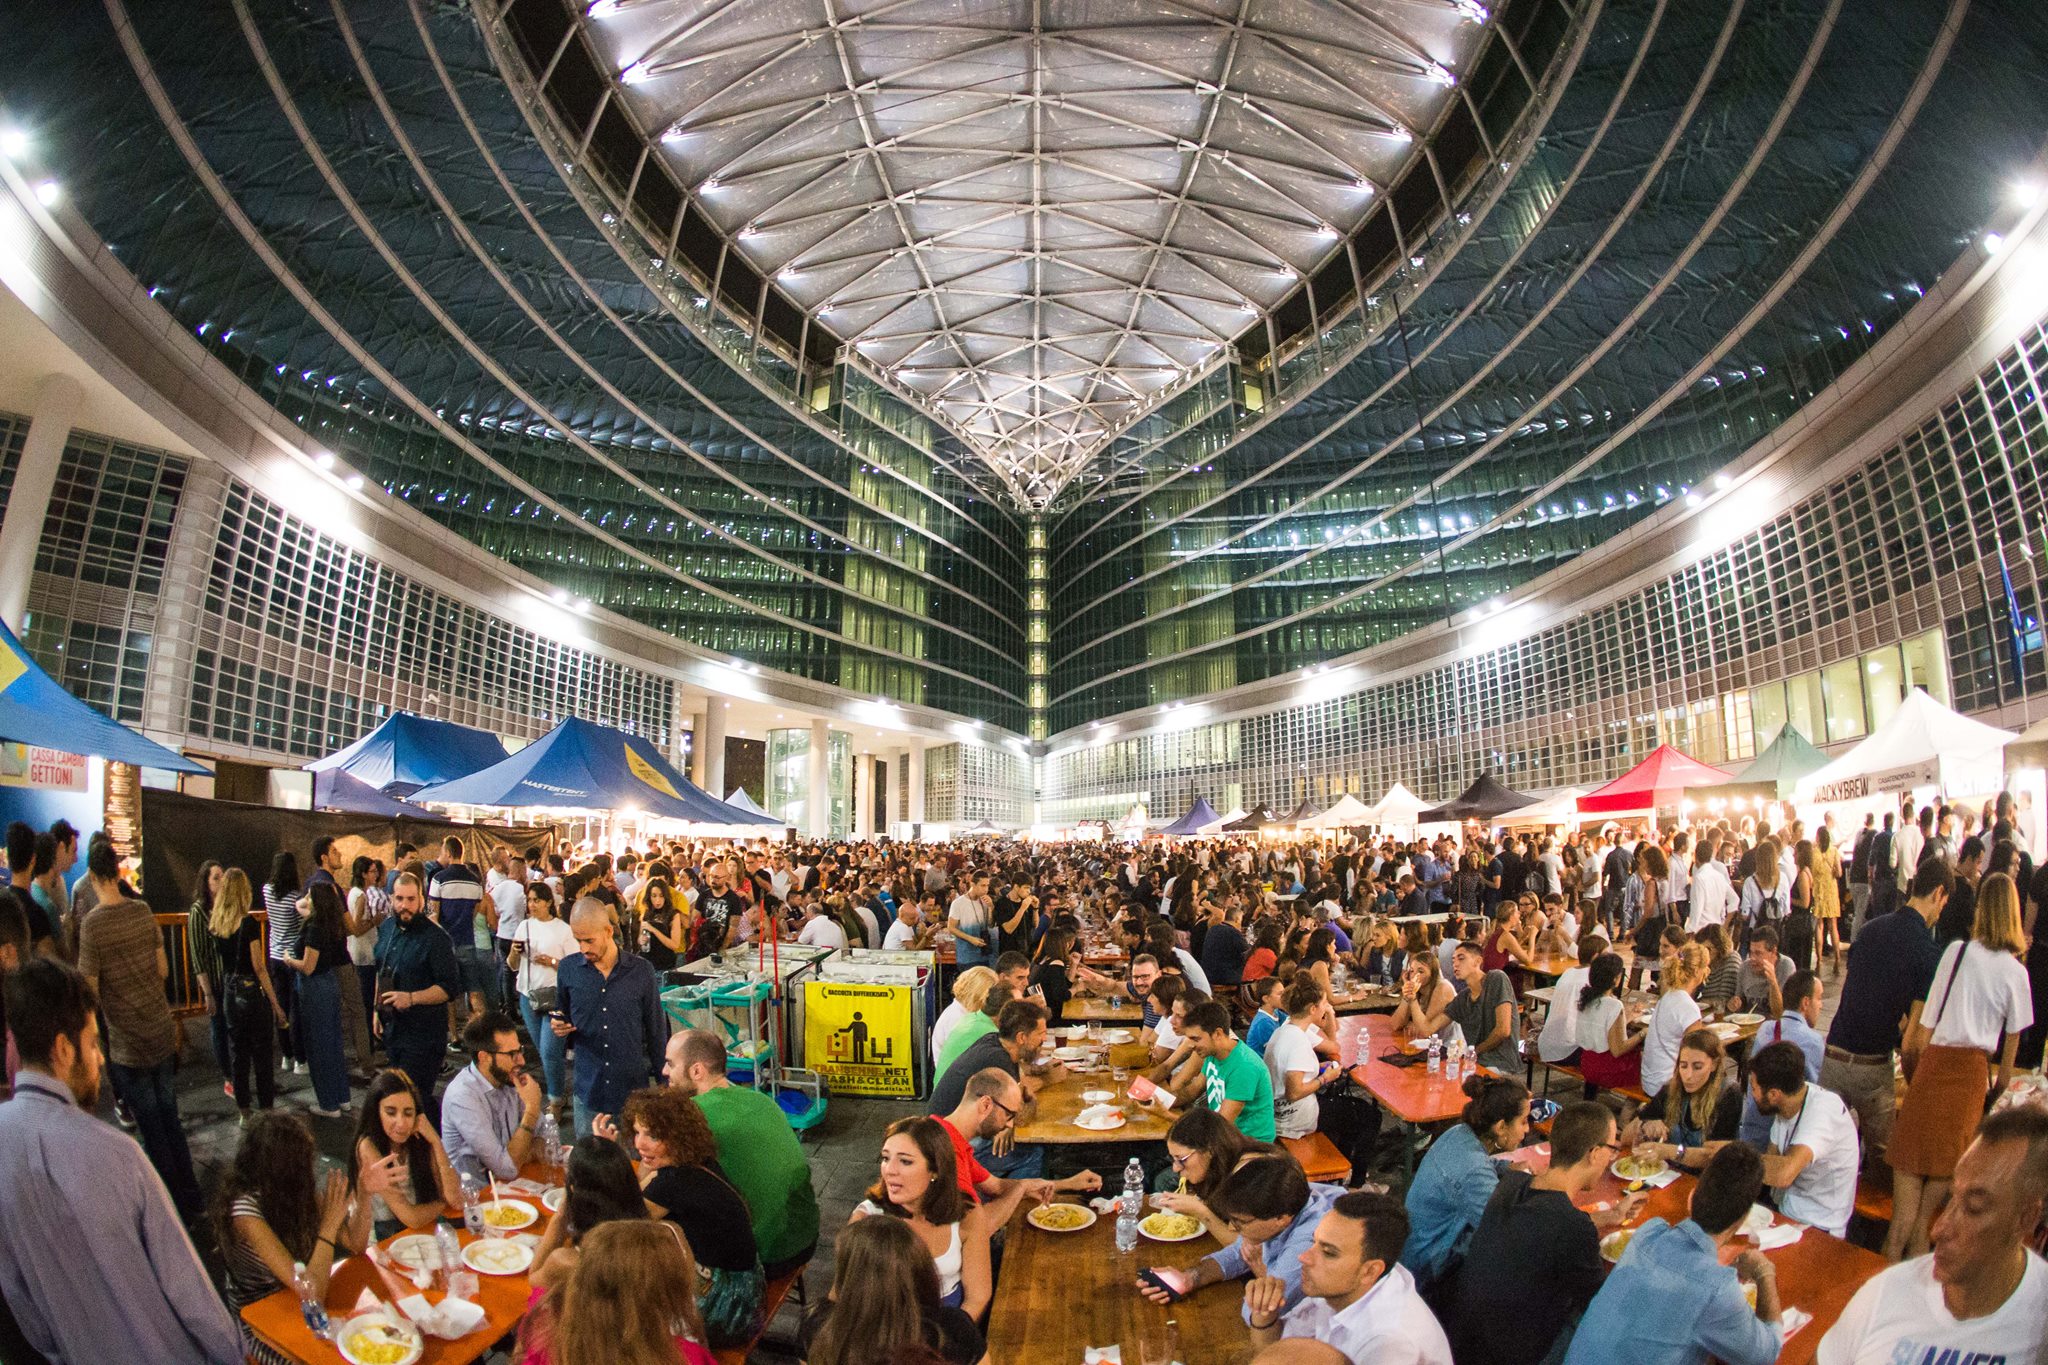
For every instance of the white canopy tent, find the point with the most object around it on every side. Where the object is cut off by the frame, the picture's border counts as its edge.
(1348, 812)
(1229, 817)
(1923, 745)
(1560, 807)
(1399, 807)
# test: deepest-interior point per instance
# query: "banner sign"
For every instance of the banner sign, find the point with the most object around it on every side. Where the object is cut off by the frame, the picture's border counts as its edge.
(1889, 782)
(857, 1036)
(30, 765)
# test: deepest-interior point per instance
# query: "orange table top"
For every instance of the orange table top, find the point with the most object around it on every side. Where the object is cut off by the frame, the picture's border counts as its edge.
(276, 1322)
(1410, 1093)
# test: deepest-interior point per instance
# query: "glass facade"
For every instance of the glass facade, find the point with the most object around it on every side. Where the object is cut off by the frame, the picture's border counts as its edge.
(1917, 569)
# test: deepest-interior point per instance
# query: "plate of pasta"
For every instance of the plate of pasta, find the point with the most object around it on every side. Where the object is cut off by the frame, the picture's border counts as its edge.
(1170, 1227)
(508, 1215)
(1061, 1217)
(1640, 1167)
(497, 1256)
(377, 1338)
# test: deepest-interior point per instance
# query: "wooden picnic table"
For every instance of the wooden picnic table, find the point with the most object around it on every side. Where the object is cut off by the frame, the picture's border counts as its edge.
(1409, 1093)
(276, 1321)
(1819, 1273)
(1102, 1009)
(1050, 1117)
(1364, 999)
(1063, 1292)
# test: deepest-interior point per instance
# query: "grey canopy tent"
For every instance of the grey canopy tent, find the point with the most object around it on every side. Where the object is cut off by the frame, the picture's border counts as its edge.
(1483, 800)
(1200, 817)
(1261, 816)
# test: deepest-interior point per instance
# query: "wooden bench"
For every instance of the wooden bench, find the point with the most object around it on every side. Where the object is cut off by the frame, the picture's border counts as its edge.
(772, 1295)
(1320, 1160)
(1873, 1201)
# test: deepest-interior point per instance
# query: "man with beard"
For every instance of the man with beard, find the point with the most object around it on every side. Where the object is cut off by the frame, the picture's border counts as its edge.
(717, 909)
(93, 1263)
(417, 975)
(491, 1110)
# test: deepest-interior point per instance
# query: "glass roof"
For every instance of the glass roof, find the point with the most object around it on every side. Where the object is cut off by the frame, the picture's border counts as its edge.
(1036, 218)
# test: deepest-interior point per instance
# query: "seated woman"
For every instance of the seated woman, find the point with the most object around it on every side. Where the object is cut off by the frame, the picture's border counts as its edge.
(1458, 1174)
(629, 1300)
(970, 993)
(1060, 974)
(682, 1182)
(1384, 958)
(1724, 968)
(1265, 994)
(1425, 997)
(424, 1186)
(1202, 1148)
(920, 1184)
(885, 1302)
(1610, 1053)
(268, 1216)
(1265, 954)
(1691, 1117)
(600, 1187)
(1503, 946)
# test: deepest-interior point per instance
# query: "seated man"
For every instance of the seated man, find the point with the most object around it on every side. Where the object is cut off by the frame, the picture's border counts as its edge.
(988, 1107)
(1813, 1154)
(1798, 1024)
(1760, 984)
(1672, 1300)
(1013, 1048)
(1274, 1211)
(1982, 1294)
(904, 933)
(1355, 1294)
(1534, 1260)
(489, 1115)
(1236, 1083)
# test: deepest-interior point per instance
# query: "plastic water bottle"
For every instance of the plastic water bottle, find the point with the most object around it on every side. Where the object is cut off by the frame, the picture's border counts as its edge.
(1436, 1055)
(311, 1308)
(550, 1134)
(1127, 1207)
(472, 1208)
(449, 1250)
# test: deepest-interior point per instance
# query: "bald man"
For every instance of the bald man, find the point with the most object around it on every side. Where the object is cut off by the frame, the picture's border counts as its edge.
(608, 1005)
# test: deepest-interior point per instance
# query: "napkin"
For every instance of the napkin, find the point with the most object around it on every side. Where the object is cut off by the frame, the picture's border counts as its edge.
(536, 1188)
(1792, 1319)
(1779, 1235)
(1658, 1182)
(448, 1319)
(529, 1240)
(1103, 1355)
(1103, 1204)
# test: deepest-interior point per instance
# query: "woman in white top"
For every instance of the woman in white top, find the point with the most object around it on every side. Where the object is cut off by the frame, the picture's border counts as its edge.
(970, 993)
(1676, 1013)
(1979, 994)
(1425, 997)
(920, 1184)
(540, 942)
(1559, 1041)
(1609, 1053)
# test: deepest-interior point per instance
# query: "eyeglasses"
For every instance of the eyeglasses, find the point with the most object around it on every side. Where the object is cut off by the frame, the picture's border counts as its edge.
(506, 1051)
(1180, 1161)
(1008, 1112)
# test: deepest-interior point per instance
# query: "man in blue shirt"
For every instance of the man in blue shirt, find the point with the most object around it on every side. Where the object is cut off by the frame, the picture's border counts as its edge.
(1799, 1025)
(416, 976)
(1671, 1301)
(1274, 1210)
(608, 1003)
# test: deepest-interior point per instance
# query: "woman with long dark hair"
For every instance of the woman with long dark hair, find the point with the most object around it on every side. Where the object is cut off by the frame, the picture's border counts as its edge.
(682, 1181)
(661, 925)
(323, 945)
(885, 1302)
(919, 1184)
(281, 891)
(394, 1128)
(268, 1216)
(1610, 1052)
(599, 1187)
(1202, 1148)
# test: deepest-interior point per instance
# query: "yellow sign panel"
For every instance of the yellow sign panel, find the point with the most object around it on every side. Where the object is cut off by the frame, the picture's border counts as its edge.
(12, 666)
(649, 774)
(858, 1037)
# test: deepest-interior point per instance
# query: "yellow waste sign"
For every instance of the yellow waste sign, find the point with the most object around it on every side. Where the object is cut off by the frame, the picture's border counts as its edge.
(858, 1037)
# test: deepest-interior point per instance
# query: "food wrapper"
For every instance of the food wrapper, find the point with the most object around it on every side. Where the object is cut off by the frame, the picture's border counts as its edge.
(449, 1319)
(1103, 1355)
(1779, 1235)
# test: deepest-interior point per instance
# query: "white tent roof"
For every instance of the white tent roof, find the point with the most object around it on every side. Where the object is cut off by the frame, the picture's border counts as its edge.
(1348, 811)
(1230, 817)
(1553, 808)
(1398, 807)
(740, 798)
(1923, 744)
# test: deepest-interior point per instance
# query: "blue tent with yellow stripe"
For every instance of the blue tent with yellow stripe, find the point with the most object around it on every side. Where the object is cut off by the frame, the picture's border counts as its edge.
(580, 765)
(35, 709)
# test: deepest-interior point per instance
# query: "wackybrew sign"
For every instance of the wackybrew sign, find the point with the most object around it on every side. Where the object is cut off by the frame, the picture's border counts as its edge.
(858, 1037)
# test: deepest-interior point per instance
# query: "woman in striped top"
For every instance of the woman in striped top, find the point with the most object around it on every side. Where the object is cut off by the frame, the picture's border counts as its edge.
(281, 891)
(204, 955)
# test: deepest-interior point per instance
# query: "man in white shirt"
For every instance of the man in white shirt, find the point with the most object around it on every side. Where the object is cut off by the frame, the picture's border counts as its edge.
(903, 930)
(1559, 1040)
(1907, 843)
(971, 920)
(1355, 1295)
(1552, 868)
(1713, 897)
(820, 930)
(1814, 1153)
(1981, 1295)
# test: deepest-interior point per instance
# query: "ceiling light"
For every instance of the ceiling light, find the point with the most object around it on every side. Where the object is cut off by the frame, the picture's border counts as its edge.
(13, 143)
(562, 596)
(48, 193)
(2025, 193)
(710, 186)
(635, 74)
(1416, 261)
(355, 481)
(1993, 242)
(325, 459)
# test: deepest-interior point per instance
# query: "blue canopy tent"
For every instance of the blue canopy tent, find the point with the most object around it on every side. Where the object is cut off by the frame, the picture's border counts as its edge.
(408, 752)
(334, 789)
(35, 709)
(1199, 817)
(582, 766)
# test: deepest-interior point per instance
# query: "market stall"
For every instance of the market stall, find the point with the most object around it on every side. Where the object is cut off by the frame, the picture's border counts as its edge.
(1925, 749)
(407, 752)
(1201, 818)
(1654, 787)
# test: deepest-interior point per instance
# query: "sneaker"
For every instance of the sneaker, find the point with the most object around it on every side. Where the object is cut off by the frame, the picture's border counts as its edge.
(228, 1088)
(317, 1112)
(246, 1119)
(122, 1115)
(298, 1068)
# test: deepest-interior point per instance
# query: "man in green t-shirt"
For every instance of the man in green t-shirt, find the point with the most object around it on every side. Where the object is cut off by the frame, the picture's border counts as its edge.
(1236, 1084)
(756, 1149)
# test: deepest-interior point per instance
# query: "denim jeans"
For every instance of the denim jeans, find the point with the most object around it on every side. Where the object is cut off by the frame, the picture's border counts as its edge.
(1026, 1160)
(151, 1096)
(584, 1114)
(217, 1028)
(420, 1058)
(554, 1052)
(319, 1027)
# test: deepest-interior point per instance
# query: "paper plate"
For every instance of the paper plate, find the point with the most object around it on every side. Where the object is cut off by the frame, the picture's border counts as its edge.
(1070, 1054)
(497, 1256)
(1118, 1035)
(553, 1200)
(1614, 1243)
(379, 1337)
(1756, 1220)
(1072, 1217)
(1632, 1167)
(415, 1251)
(1100, 1123)
(1097, 1096)
(1170, 1227)
(508, 1215)
(1743, 1020)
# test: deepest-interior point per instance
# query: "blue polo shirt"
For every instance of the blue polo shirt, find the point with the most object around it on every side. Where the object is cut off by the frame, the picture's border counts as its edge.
(621, 1030)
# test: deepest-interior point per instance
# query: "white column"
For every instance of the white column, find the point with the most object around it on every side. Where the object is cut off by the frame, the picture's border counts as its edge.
(28, 502)
(676, 727)
(711, 741)
(892, 791)
(863, 796)
(818, 805)
(696, 769)
(914, 775)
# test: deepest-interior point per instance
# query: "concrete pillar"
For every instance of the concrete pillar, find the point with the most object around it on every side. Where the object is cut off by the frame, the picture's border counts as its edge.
(711, 742)
(695, 771)
(28, 502)
(892, 791)
(818, 803)
(914, 775)
(863, 796)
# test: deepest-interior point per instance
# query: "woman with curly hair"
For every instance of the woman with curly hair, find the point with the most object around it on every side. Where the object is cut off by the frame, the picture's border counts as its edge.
(628, 1301)
(681, 1181)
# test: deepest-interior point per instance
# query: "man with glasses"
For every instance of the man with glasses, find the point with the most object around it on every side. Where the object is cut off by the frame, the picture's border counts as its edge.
(989, 1105)
(491, 1110)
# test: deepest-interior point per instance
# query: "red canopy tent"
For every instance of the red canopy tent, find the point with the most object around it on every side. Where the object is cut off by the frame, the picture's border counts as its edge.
(1658, 781)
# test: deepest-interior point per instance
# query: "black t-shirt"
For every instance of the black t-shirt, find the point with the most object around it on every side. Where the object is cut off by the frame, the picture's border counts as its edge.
(37, 917)
(947, 1330)
(710, 1213)
(1649, 942)
(717, 911)
(332, 946)
(1533, 1266)
(1053, 983)
(1512, 870)
(984, 1052)
(1891, 964)
(234, 950)
(659, 955)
